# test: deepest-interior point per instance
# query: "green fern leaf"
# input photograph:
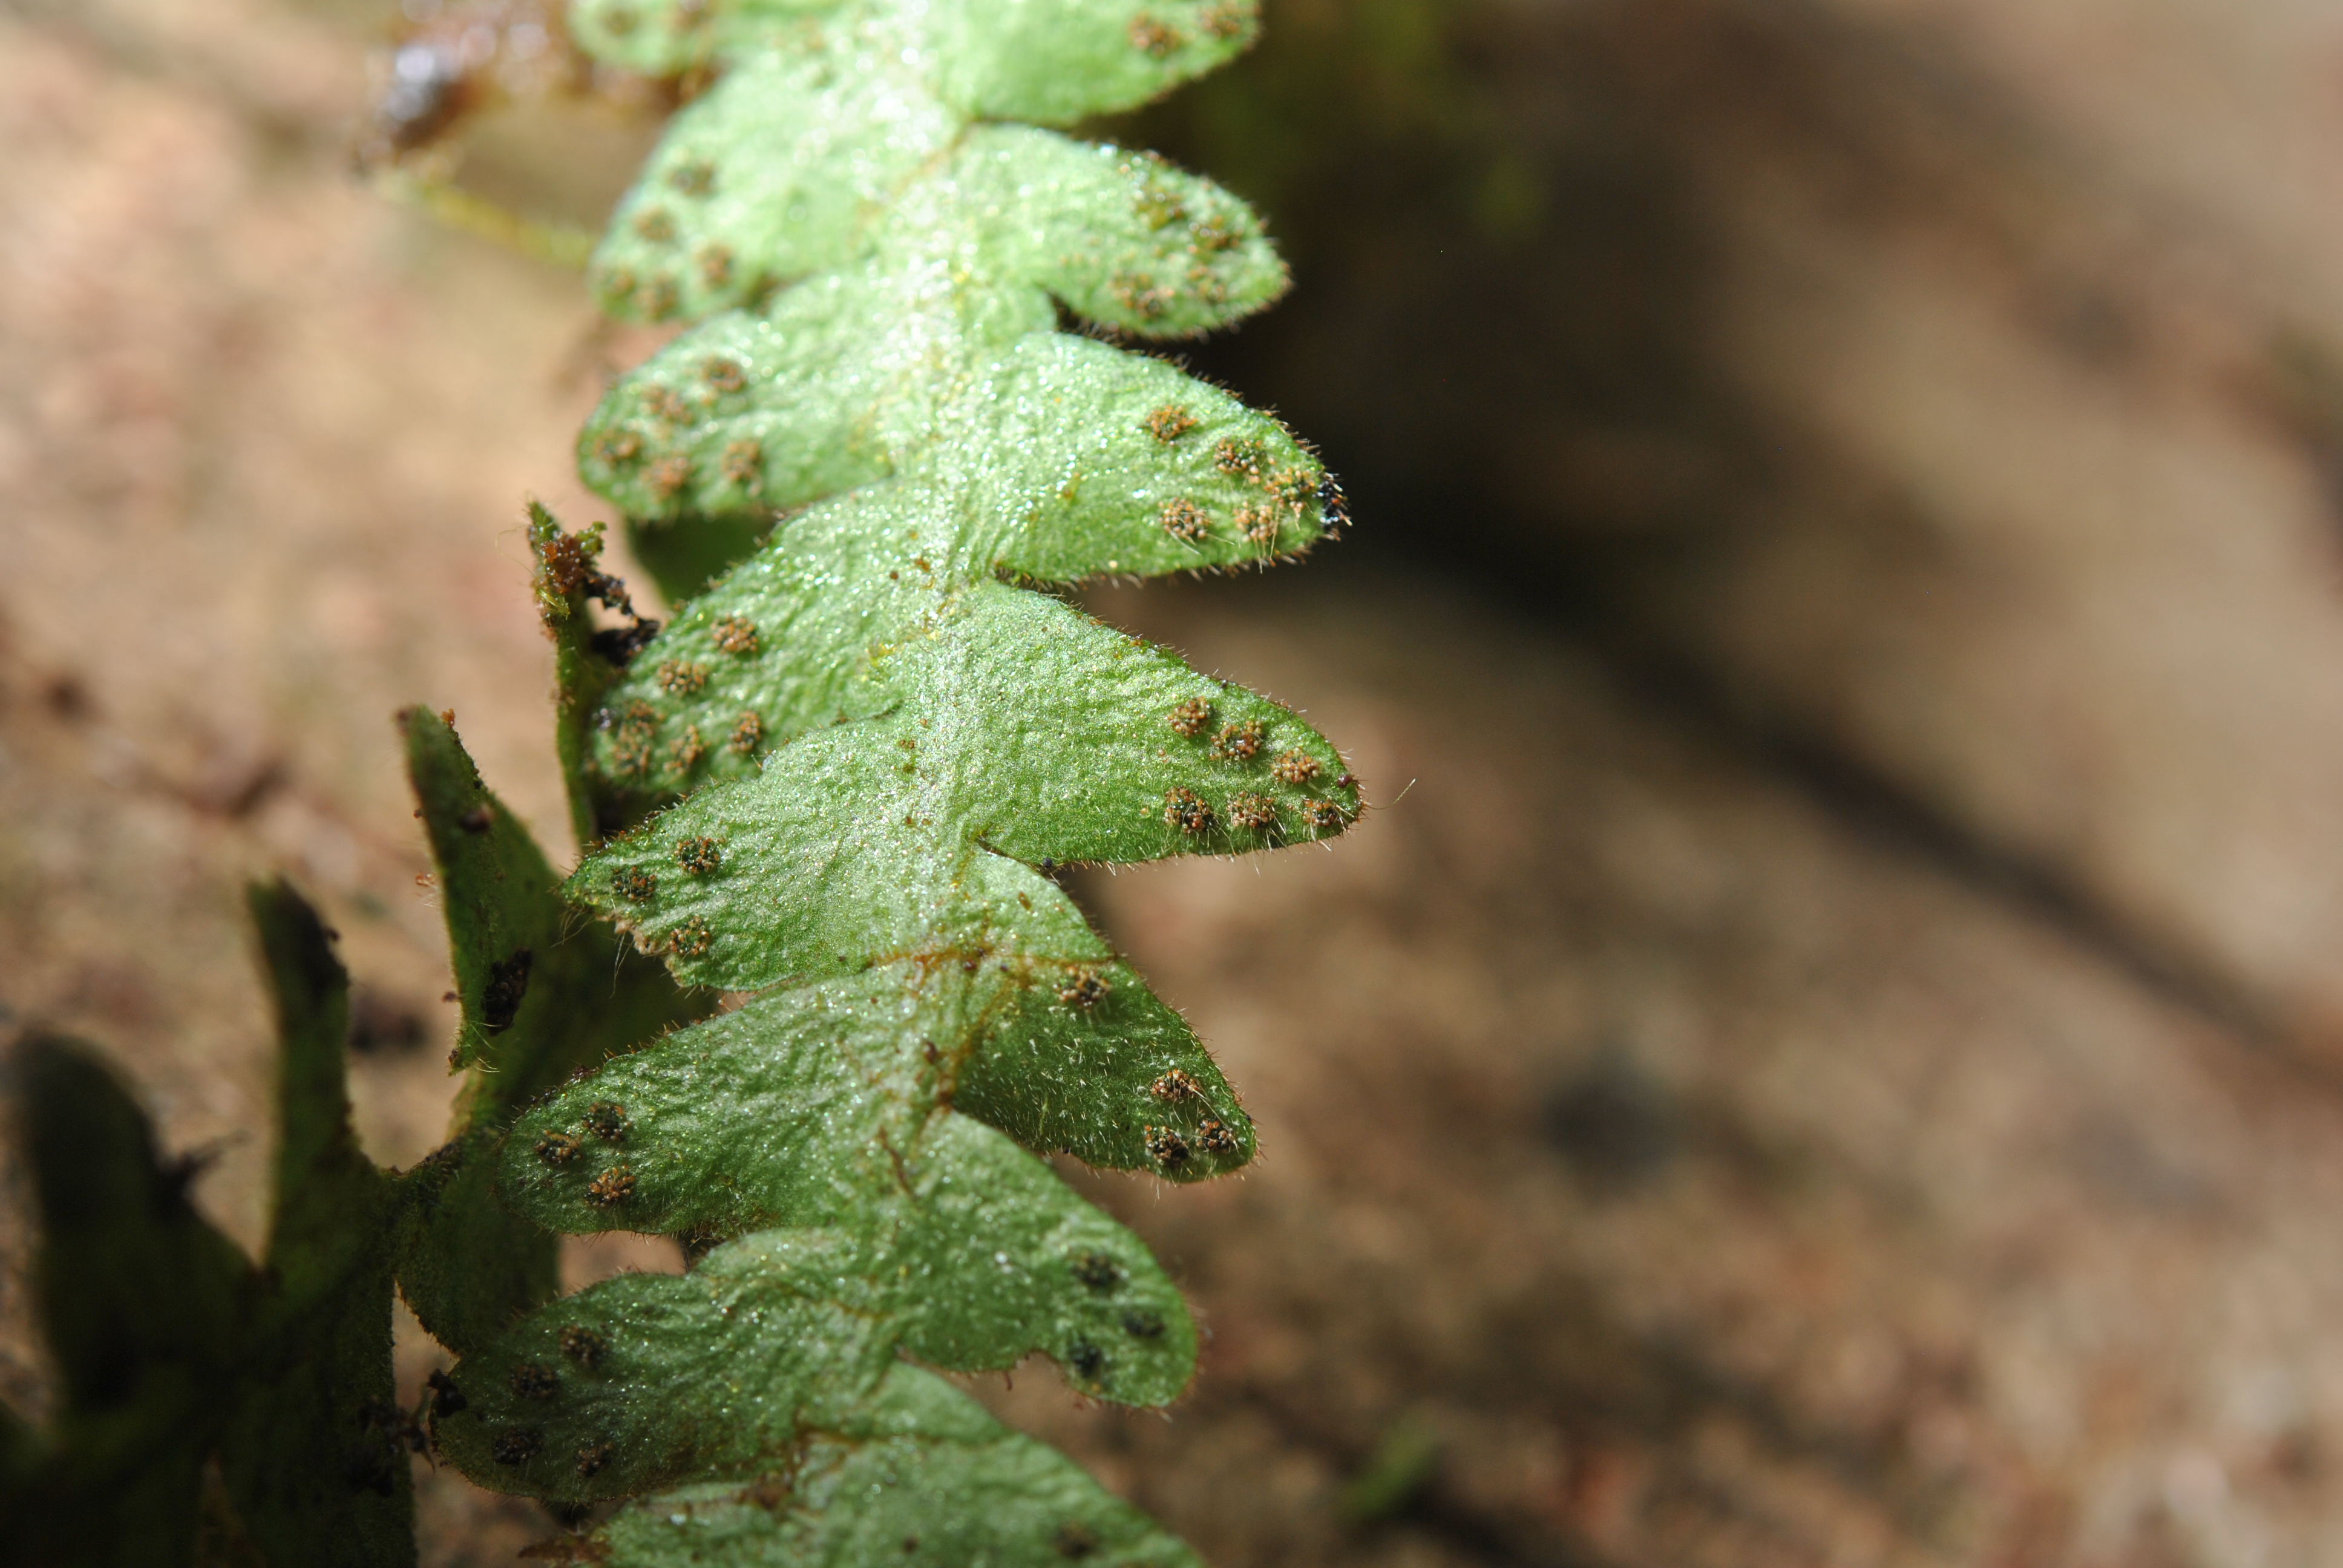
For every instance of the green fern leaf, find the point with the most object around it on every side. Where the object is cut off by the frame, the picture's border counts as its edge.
(922, 1475)
(1017, 731)
(825, 113)
(790, 1328)
(542, 1000)
(842, 777)
(173, 1351)
(140, 1302)
(316, 1452)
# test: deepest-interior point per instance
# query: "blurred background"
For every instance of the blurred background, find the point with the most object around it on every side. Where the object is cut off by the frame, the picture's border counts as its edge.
(1830, 1049)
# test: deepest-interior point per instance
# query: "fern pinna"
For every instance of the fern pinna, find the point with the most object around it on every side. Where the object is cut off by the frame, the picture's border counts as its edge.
(840, 779)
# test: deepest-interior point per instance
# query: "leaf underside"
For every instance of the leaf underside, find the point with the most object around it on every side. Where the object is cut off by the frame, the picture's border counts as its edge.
(545, 996)
(841, 777)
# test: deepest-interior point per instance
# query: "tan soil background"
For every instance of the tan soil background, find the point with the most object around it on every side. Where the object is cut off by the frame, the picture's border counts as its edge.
(1830, 1050)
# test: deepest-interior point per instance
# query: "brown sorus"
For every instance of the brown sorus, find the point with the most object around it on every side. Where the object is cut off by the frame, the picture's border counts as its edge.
(1239, 742)
(1169, 422)
(500, 999)
(1176, 1085)
(1186, 811)
(1184, 520)
(534, 1380)
(1230, 456)
(657, 297)
(1252, 813)
(1225, 20)
(1150, 37)
(735, 635)
(515, 1446)
(1294, 768)
(607, 1120)
(742, 464)
(611, 1188)
(447, 1399)
(1325, 816)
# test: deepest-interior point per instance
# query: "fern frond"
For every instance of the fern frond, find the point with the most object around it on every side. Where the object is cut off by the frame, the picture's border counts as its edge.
(175, 1352)
(842, 777)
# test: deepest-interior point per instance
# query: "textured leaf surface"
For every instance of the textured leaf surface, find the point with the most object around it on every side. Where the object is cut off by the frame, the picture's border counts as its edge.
(669, 1378)
(948, 335)
(720, 1110)
(825, 114)
(774, 173)
(1105, 1080)
(845, 775)
(1016, 729)
(806, 1109)
(922, 1475)
(667, 37)
(544, 996)
(1057, 61)
(644, 1380)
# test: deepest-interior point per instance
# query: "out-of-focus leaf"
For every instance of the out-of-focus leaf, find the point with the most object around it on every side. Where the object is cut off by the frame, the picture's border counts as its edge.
(312, 1452)
(144, 1306)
